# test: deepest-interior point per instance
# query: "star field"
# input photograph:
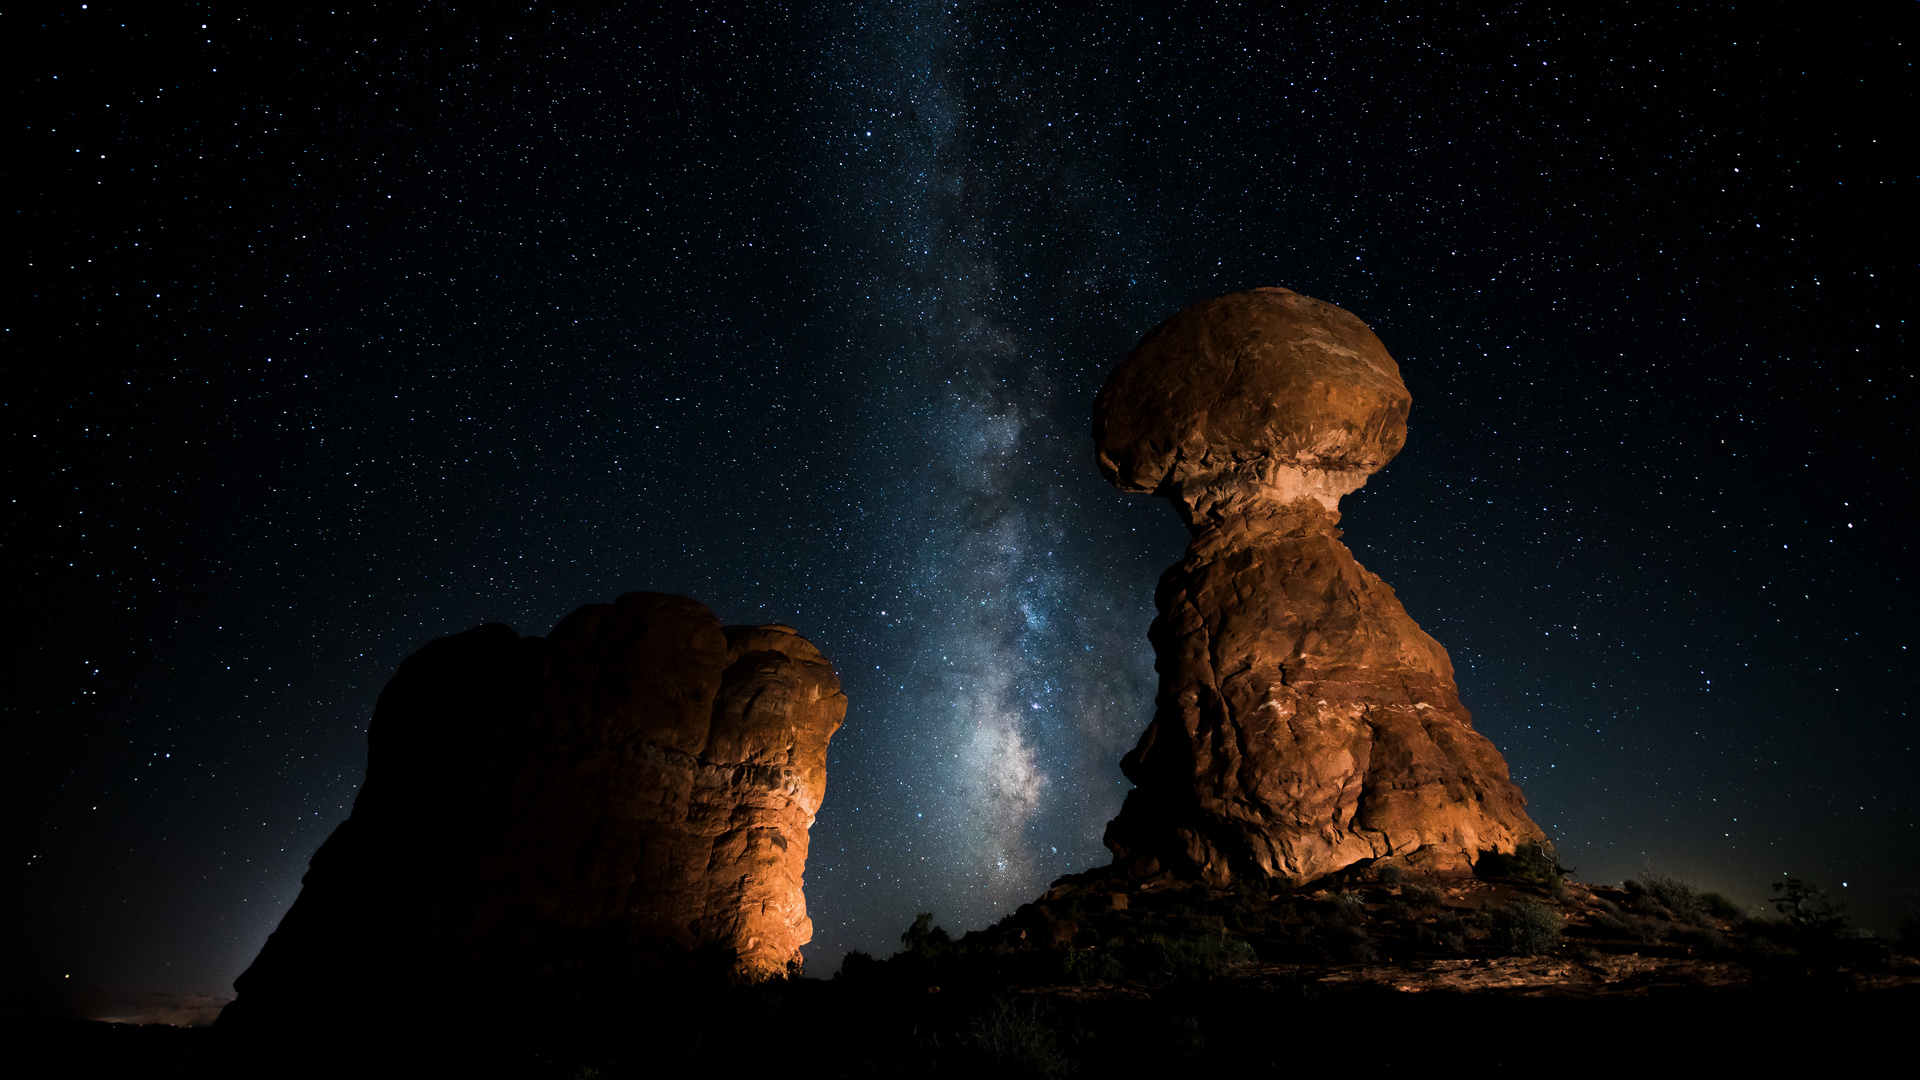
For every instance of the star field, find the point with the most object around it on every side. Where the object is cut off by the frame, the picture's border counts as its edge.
(340, 331)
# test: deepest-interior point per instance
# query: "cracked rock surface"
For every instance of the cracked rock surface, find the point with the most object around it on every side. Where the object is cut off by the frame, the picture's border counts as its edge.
(1304, 722)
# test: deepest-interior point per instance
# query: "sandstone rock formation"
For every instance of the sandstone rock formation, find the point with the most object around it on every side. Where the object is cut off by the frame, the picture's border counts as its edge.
(553, 815)
(1304, 721)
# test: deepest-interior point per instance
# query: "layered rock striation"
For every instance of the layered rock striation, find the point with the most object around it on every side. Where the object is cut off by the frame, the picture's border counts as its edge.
(1304, 722)
(544, 816)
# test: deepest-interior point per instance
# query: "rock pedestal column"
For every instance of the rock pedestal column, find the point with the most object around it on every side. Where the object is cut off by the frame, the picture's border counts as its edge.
(1304, 722)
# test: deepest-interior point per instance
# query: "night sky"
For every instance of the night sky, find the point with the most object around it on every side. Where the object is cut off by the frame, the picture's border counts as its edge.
(333, 333)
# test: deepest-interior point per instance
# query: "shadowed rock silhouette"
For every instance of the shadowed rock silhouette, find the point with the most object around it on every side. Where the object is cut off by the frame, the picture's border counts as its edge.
(550, 819)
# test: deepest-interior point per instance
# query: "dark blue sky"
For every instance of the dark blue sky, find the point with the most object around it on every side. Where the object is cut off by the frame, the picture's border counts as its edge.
(335, 333)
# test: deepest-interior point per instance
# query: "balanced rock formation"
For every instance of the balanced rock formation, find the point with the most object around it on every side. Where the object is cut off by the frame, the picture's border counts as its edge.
(1304, 722)
(548, 816)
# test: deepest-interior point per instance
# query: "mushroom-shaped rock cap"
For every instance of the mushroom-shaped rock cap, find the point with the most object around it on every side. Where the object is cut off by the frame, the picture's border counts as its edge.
(1261, 397)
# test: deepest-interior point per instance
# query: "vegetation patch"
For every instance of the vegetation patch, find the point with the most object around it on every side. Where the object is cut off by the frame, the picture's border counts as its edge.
(1527, 928)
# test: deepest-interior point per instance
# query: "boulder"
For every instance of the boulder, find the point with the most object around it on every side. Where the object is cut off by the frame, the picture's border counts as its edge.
(1304, 722)
(545, 817)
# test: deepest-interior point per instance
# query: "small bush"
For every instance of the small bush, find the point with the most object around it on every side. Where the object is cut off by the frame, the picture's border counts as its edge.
(1626, 925)
(925, 940)
(1649, 905)
(1704, 937)
(1349, 906)
(1421, 896)
(857, 965)
(1017, 1039)
(1087, 966)
(1387, 875)
(1673, 894)
(1682, 901)
(1907, 938)
(1254, 888)
(1809, 910)
(1717, 906)
(1331, 937)
(1527, 928)
(1447, 934)
(1198, 957)
(1533, 862)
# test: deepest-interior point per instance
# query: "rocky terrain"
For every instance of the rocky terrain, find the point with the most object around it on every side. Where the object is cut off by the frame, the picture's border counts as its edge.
(1510, 971)
(1304, 722)
(1518, 927)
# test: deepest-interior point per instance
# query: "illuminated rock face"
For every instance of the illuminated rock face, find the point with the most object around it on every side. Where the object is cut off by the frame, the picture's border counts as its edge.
(625, 796)
(1304, 721)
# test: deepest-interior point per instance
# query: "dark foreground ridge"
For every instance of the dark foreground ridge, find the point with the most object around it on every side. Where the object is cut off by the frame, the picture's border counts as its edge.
(1516, 971)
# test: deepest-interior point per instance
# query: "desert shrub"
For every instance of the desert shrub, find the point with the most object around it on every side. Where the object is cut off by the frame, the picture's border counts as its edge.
(1187, 957)
(1086, 966)
(1422, 896)
(1251, 904)
(1673, 894)
(1017, 1039)
(1649, 905)
(1704, 937)
(1331, 937)
(857, 965)
(1533, 862)
(1810, 910)
(1349, 906)
(1537, 862)
(1446, 934)
(1527, 928)
(1682, 900)
(1627, 925)
(1907, 938)
(1253, 887)
(925, 940)
(1387, 875)
(1716, 906)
